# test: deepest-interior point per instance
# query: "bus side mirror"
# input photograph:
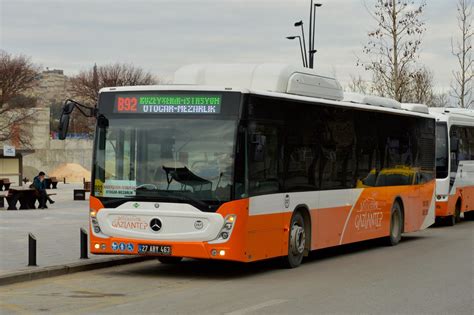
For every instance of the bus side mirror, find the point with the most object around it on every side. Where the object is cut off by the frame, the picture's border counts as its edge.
(454, 144)
(258, 147)
(64, 120)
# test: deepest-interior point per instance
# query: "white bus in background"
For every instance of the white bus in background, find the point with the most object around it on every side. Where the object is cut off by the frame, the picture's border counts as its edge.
(454, 164)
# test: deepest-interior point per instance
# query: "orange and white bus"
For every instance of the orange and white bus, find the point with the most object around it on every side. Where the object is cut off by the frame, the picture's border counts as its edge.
(250, 162)
(454, 164)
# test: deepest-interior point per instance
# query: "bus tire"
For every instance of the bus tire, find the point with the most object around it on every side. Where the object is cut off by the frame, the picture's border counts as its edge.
(457, 212)
(456, 217)
(450, 220)
(396, 225)
(169, 260)
(296, 241)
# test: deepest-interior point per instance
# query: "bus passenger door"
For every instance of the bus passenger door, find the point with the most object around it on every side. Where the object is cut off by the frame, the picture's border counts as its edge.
(266, 205)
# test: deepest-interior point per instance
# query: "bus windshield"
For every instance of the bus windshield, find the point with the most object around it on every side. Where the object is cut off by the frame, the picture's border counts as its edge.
(441, 150)
(168, 159)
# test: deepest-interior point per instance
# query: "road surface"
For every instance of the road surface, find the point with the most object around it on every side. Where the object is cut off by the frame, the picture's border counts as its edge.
(428, 272)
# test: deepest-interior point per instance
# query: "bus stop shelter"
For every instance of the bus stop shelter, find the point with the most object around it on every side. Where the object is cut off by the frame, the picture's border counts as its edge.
(11, 167)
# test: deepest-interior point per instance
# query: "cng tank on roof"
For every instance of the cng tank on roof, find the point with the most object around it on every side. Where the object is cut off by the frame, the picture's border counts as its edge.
(278, 78)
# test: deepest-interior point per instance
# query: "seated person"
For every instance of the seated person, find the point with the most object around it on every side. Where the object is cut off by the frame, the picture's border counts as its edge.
(39, 185)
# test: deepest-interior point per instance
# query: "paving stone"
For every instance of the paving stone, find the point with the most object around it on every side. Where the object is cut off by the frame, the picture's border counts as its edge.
(56, 230)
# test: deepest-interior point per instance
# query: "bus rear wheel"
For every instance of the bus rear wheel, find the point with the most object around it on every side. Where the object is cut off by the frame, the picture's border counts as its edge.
(169, 260)
(456, 217)
(296, 241)
(396, 225)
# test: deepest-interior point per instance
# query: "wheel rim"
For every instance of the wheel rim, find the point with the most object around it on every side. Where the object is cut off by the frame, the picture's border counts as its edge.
(297, 239)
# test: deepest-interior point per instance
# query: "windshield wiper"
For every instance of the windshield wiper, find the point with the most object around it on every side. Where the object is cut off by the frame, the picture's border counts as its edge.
(147, 187)
(150, 193)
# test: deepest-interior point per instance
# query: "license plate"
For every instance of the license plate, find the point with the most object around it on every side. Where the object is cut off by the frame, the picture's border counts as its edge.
(162, 250)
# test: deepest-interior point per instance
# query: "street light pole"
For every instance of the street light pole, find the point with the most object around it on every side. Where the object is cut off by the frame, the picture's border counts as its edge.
(301, 47)
(300, 23)
(311, 44)
(311, 56)
(311, 61)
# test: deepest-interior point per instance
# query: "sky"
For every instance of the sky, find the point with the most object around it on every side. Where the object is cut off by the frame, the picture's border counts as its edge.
(162, 35)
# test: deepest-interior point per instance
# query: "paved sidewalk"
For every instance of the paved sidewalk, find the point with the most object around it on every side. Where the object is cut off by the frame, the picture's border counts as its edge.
(56, 230)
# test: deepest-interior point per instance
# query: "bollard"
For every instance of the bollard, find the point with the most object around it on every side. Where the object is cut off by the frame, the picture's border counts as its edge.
(83, 244)
(31, 250)
(64, 180)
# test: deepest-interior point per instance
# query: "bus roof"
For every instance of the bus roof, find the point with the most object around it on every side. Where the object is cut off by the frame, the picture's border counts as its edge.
(454, 116)
(275, 80)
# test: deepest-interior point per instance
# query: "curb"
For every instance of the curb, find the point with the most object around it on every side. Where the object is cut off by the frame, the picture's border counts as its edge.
(59, 270)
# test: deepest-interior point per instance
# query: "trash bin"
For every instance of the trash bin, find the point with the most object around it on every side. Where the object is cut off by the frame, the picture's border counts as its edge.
(79, 194)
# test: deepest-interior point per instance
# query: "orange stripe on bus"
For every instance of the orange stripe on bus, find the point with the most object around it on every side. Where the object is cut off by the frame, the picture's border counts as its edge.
(265, 236)
(95, 204)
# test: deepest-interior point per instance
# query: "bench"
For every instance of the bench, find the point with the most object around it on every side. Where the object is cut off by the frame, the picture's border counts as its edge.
(5, 182)
(51, 181)
(3, 194)
(87, 186)
(26, 196)
(54, 182)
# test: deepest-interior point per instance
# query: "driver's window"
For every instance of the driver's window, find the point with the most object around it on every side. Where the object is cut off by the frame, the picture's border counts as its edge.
(120, 155)
(456, 139)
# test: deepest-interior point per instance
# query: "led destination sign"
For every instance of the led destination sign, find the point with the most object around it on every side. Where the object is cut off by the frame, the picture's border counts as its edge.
(168, 104)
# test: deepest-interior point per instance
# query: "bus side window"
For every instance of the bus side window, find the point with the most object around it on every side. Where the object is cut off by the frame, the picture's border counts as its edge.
(470, 138)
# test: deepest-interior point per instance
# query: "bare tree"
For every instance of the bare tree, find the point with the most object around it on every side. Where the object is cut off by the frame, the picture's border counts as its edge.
(440, 100)
(86, 85)
(420, 87)
(359, 85)
(18, 75)
(393, 45)
(462, 50)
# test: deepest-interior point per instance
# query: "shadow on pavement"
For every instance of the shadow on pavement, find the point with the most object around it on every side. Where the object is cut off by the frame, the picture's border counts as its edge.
(439, 223)
(225, 270)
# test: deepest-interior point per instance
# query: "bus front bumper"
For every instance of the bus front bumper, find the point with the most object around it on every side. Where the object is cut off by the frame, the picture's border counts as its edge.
(202, 250)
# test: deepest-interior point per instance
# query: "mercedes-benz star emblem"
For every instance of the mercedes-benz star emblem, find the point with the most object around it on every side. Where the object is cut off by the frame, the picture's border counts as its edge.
(198, 225)
(155, 224)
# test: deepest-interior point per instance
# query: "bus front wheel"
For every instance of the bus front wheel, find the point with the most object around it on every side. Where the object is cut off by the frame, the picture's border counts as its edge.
(396, 225)
(296, 241)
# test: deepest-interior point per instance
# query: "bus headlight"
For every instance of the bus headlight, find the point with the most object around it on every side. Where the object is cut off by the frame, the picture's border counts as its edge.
(95, 225)
(226, 230)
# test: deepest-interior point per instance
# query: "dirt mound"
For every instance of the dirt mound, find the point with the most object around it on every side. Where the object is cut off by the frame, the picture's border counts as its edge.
(30, 172)
(74, 173)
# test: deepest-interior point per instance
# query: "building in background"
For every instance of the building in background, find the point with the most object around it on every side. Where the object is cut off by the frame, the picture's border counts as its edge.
(45, 152)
